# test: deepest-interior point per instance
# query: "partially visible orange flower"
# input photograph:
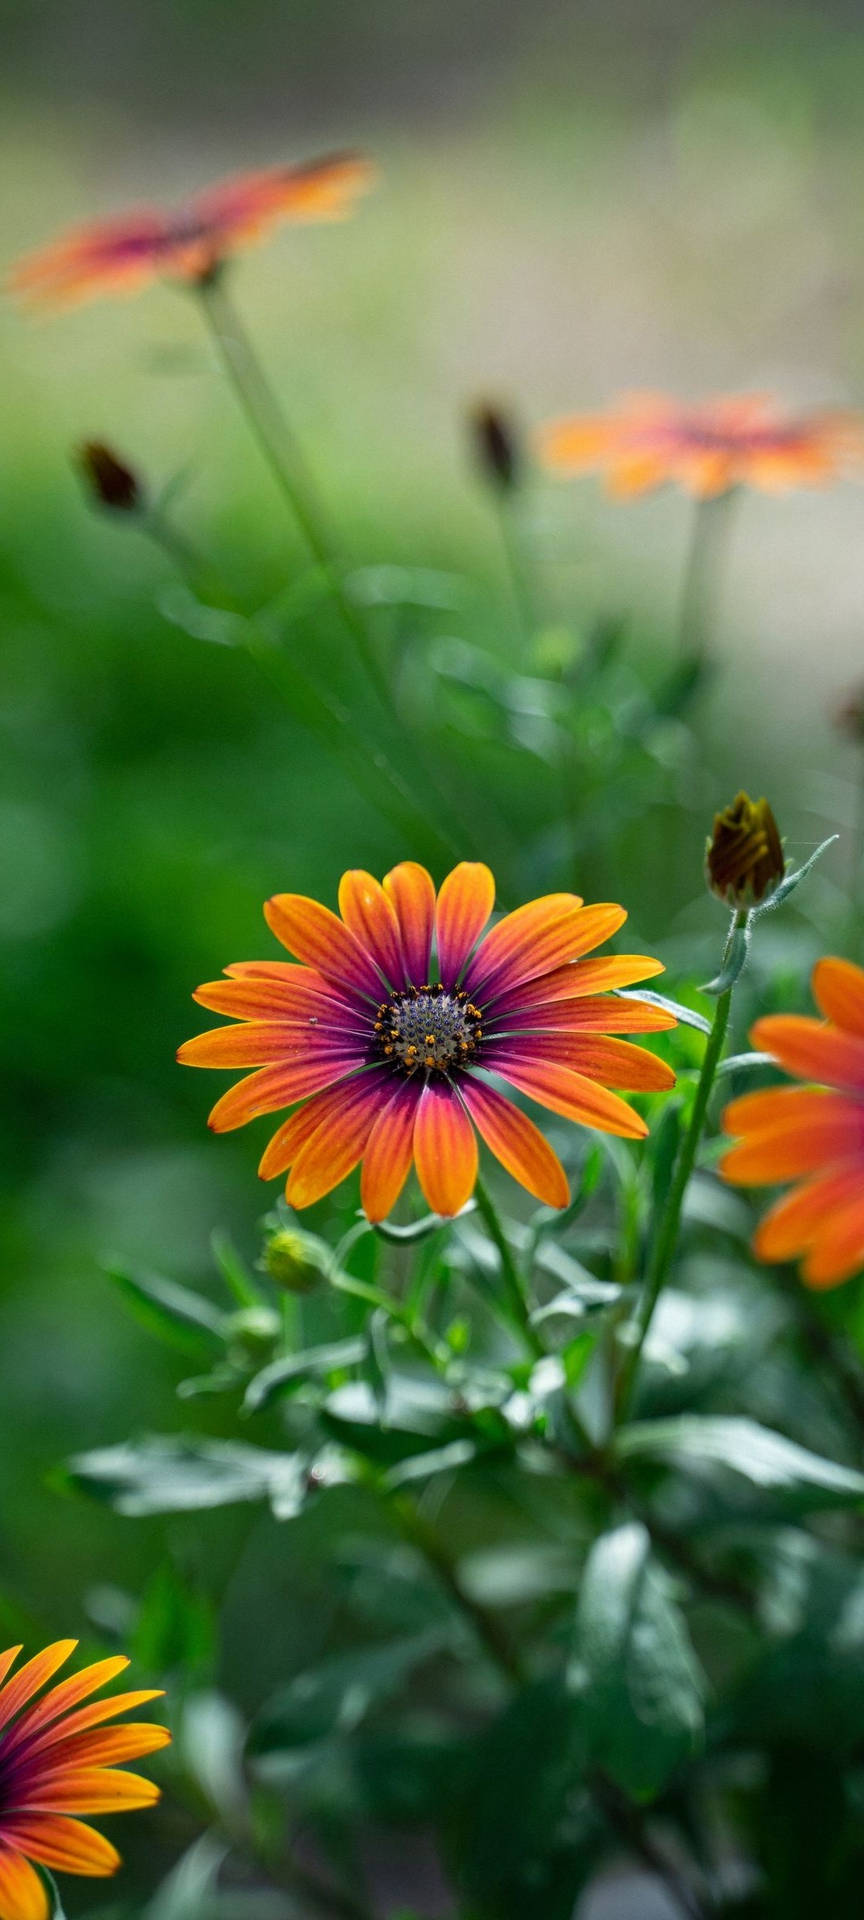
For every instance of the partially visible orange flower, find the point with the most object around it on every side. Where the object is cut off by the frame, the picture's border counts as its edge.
(57, 1760)
(648, 440)
(188, 243)
(384, 1036)
(812, 1134)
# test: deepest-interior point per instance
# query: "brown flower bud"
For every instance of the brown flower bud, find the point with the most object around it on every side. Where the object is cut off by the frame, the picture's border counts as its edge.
(109, 480)
(744, 861)
(496, 448)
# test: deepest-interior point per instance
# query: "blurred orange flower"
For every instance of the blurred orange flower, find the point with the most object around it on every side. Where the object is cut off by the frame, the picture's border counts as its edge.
(387, 1047)
(814, 1133)
(647, 440)
(58, 1760)
(123, 254)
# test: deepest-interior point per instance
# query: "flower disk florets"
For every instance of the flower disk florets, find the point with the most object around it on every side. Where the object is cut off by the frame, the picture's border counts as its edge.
(428, 1027)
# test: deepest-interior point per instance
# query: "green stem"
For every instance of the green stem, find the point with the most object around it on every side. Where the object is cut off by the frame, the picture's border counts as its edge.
(708, 542)
(518, 1313)
(285, 459)
(487, 1628)
(666, 1238)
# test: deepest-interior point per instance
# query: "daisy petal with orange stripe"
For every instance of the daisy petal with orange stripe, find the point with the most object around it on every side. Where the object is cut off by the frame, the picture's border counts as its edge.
(383, 1037)
(58, 1759)
(812, 1133)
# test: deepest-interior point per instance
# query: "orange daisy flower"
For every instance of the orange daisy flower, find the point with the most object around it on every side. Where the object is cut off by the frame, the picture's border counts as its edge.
(814, 1133)
(647, 440)
(58, 1760)
(388, 1049)
(188, 243)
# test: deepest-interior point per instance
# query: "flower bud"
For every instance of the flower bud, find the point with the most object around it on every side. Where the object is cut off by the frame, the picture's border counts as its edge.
(495, 446)
(252, 1335)
(296, 1261)
(744, 860)
(109, 480)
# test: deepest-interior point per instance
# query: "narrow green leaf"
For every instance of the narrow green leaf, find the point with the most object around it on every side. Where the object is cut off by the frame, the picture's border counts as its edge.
(177, 1315)
(792, 880)
(684, 1015)
(292, 1369)
(714, 1443)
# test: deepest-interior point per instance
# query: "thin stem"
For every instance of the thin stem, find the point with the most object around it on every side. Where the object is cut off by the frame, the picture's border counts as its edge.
(708, 542)
(284, 457)
(666, 1237)
(519, 572)
(627, 1822)
(518, 1312)
(491, 1635)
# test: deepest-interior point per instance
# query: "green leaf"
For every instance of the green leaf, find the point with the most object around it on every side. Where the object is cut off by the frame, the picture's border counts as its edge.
(684, 1015)
(210, 1741)
(190, 1889)
(57, 1910)
(667, 1140)
(793, 880)
(233, 1270)
(715, 1445)
(734, 961)
(634, 1668)
(161, 1474)
(177, 1315)
(290, 1372)
(175, 1631)
(335, 1696)
(421, 1229)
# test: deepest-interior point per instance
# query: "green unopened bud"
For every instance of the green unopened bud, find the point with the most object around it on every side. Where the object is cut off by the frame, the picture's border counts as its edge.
(744, 861)
(112, 483)
(296, 1261)
(252, 1335)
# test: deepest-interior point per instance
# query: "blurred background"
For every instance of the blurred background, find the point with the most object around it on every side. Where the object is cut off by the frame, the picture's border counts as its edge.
(576, 199)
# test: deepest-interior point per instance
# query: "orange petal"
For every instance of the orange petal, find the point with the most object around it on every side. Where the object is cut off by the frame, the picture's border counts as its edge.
(274, 999)
(7, 1661)
(795, 1222)
(65, 1846)
(570, 1094)
(445, 1150)
(599, 975)
(319, 938)
(387, 1160)
(615, 1063)
(337, 1144)
(838, 989)
(23, 1896)
(410, 888)
(294, 1133)
(517, 1143)
(259, 1043)
(838, 1253)
(532, 940)
(370, 915)
(92, 1790)
(784, 1153)
(588, 1013)
(774, 1107)
(31, 1677)
(465, 901)
(275, 1087)
(101, 1747)
(91, 1716)
(811, 1050)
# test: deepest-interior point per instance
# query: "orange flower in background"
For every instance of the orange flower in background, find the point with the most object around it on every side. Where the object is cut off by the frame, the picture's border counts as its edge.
(190, 242)
(57, 1760)
(399, 1010)
(649, 440)
(813, 1134)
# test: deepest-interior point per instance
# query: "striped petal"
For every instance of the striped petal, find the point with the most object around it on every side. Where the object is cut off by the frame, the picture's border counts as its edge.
(389, 1151)
(282, 1150)
(269, 999)
(786, 1152)
(275, 1087)
(516, 1142)
(570, 1094)
(515, 949)
(465, 901)
(445, 1150)
(369, 914)
(838, 989)
(599, 975)
(811, 1050)
(410, 888)
(23, 1896)
(615, 1063)
(260, 1043)
(562, 935)
(338, 1142)
(781, 1106)
(64, 1846)
(591, 1013)
(29, 1678)
(7, 1661)
(92, 1790)
(91, 1716)
(319, 938)
(100, 1747)
(795, 1222)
